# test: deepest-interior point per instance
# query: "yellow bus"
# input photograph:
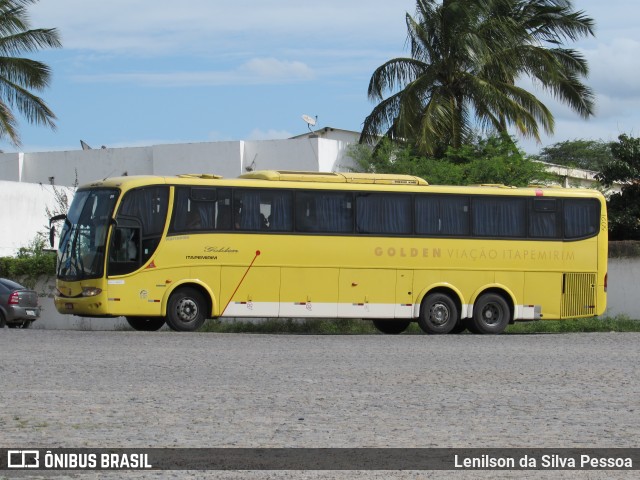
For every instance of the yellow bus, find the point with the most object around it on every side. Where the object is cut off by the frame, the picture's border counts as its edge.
(389, 248)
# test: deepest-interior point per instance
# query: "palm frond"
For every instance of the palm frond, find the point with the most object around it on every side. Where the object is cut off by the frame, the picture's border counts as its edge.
(19, 75)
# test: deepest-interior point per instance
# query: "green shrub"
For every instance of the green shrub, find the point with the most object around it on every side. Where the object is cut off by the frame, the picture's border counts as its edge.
(30, 263)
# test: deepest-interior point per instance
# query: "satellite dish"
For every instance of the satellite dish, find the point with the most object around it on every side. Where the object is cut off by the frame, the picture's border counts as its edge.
(310, 120)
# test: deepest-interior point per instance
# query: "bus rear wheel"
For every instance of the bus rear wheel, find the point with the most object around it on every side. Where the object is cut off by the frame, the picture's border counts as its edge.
(439, 314)
(145, 324)
(186, 310)
(491, 314)
(391, 327)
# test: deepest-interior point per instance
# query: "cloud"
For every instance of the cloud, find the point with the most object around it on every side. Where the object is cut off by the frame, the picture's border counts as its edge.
(215, 27)
(257, 71)
(612, 73)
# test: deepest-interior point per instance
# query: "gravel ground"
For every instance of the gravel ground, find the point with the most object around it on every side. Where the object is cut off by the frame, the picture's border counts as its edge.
(162, 389)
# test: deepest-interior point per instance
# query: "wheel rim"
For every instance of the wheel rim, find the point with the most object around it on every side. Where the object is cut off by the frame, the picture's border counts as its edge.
(187, 310)
(439, 314)
(491, 314)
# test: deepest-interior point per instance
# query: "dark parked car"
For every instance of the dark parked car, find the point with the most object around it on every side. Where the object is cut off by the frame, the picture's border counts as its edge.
(18, 305)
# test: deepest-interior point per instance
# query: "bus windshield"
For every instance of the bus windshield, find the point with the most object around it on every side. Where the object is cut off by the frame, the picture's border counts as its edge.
(83, 238)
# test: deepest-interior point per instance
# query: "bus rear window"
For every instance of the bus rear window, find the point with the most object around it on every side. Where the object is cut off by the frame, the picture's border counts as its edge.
(581, 218)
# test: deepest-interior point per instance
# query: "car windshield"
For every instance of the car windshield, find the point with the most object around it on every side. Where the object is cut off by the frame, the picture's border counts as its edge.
(82, 240)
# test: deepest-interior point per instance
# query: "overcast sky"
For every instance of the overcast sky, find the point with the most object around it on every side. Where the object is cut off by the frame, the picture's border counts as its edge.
(143, 72)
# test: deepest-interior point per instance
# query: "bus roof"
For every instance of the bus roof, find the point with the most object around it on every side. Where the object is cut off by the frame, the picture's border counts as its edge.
(335, 177)
(338, 181)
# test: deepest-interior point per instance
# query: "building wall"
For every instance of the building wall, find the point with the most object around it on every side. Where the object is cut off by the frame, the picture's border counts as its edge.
(228, 159)
(24, 213)
(220, 158)
(622, 291)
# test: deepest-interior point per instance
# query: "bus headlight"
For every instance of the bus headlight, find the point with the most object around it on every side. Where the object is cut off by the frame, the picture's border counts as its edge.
(91, 291)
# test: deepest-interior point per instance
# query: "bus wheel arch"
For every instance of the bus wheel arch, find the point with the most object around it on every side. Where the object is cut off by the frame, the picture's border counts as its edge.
(440, 310)
(493, 311)
(196, 285)
(187, 306)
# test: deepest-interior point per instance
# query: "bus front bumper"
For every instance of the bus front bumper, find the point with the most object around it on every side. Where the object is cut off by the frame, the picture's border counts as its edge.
(93, 306)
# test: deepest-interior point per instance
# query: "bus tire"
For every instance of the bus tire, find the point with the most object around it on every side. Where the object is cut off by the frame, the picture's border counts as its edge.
(186, 310)
(439, 314)
(145, 324)
(491, 314)
(391, 327)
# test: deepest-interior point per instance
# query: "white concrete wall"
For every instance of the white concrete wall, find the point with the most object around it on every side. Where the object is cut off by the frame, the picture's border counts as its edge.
(622, 291)
(228, 159)
(23, 213)
(333, 156)
(220, 158)
(293, 154)
(10, 164)
(88, 165)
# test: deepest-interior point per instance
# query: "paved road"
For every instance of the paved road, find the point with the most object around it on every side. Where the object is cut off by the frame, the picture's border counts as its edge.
(162, 389)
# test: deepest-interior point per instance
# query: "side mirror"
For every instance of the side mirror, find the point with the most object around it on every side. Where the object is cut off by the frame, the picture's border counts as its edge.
(52, 229)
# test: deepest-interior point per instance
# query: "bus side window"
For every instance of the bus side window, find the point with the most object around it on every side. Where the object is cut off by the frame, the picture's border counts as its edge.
(499, 217)
(381, 213)
(543, 221)
(201, 209)
(223, 214)
(324, 212)
(442, 215)
(263, 210)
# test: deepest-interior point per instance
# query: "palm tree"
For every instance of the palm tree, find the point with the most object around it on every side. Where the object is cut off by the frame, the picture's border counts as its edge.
(466, 56)
(19, 77)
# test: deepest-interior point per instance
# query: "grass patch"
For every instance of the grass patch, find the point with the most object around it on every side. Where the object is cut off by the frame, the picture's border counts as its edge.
(365, 327)
(593, 324)
(312, 326)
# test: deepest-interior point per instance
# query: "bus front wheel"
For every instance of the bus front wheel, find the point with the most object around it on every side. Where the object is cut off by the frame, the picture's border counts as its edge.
(439, 314)
(391, 327)
(145, 324)
(186, 310)
(491, 314)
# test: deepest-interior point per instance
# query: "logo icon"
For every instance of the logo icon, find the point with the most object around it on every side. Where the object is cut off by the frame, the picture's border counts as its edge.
(23, 459)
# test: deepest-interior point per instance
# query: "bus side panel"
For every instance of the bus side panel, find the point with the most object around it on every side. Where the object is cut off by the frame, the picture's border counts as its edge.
(136, 295)
(309, 292)
(367, 293)
(255, 294)
(404, 294)
(544, 289)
